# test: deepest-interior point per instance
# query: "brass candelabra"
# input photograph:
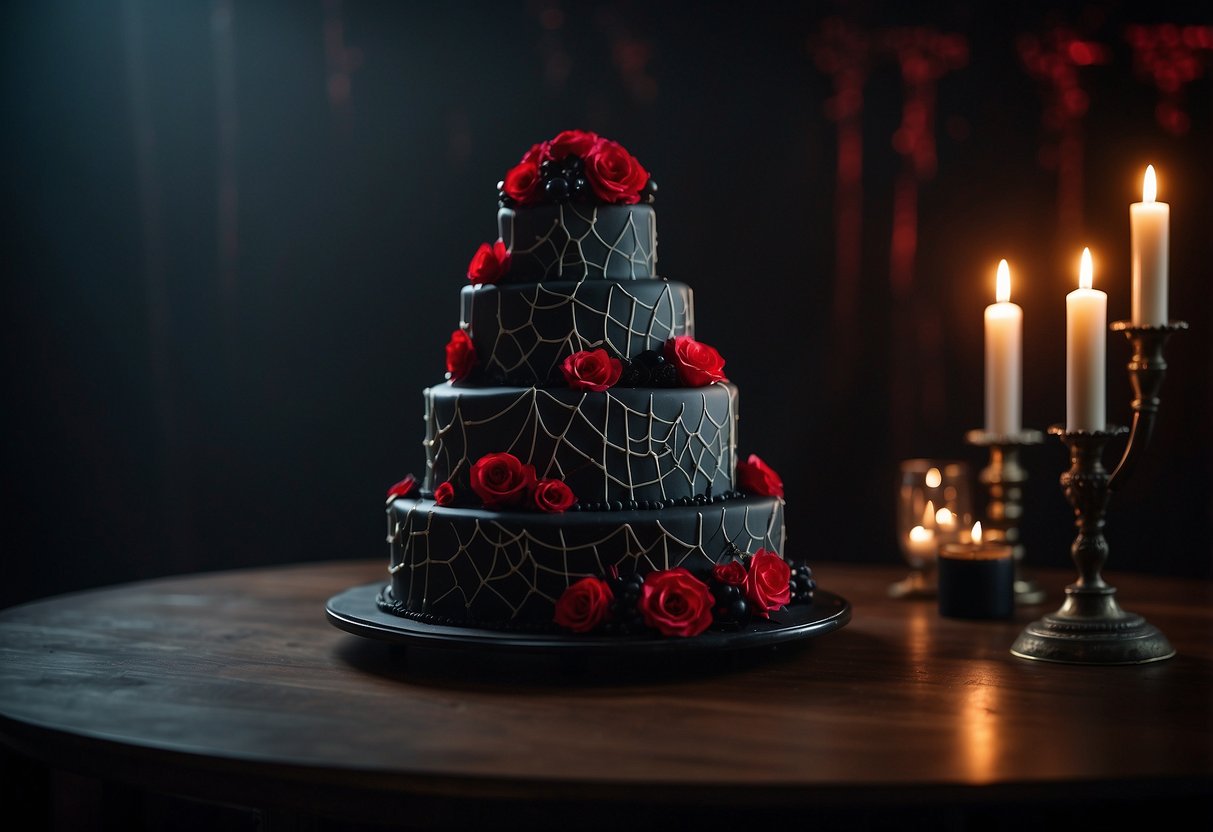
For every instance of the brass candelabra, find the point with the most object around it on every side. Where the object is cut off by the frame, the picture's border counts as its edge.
(1091, 627)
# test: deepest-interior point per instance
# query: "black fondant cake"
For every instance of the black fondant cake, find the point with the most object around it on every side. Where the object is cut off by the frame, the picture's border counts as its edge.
(582, 467)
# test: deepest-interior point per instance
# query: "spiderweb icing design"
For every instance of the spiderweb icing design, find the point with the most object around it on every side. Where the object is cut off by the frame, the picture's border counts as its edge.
(502, 568)
(616, 445)
(523, 332)
(579, 243)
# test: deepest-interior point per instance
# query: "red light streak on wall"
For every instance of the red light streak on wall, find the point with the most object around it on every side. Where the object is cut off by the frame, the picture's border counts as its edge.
(916, 385)
(924, 56)
(1055, 59)
(1171, 57)
(843, 52)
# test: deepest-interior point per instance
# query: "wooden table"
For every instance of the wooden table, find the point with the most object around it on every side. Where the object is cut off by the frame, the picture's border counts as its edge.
(233, 688)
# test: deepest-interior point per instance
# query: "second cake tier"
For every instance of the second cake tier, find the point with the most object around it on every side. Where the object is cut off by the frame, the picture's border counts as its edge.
(522, 332)
(625, 447)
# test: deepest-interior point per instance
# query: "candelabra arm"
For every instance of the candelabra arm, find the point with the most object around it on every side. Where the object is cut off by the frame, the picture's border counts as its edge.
(1147, 369)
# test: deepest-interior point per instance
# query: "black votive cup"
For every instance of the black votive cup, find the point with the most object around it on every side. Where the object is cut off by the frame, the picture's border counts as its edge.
(976, 580)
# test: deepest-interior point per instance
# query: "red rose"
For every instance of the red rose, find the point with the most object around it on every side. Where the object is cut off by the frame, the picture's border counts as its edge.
(731, 573)
(403, 488)
(523, 183)
(756, 477)
(444, 495)
(501, 480)
(552, 496)
(460, 355)
(489, 263)
(614, 174)
(591, 370)
(698, 364)
(572, 143)
(537, 154)
(767, 583)
(676, 603)
(584, 605)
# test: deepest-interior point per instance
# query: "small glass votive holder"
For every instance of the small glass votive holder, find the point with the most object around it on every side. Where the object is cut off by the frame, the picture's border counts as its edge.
(976, 580)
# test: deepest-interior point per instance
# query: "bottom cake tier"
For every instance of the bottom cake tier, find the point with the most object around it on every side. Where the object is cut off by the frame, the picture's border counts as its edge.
(499, 569)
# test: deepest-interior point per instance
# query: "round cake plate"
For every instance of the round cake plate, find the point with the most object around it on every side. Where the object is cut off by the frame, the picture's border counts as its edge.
(356, 611)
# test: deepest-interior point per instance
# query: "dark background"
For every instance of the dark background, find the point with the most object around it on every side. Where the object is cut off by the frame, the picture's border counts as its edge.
(236, 233)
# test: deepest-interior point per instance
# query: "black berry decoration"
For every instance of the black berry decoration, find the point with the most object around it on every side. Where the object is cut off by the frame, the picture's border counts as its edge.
(665, 375)
(625, 618)
(802, 583)
(649, 192)
(557, 189)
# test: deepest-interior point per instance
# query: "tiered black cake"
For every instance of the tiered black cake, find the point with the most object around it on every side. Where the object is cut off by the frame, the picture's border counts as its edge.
(582, 470)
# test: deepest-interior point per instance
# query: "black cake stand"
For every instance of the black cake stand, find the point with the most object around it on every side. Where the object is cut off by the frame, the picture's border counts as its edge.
(357, 611)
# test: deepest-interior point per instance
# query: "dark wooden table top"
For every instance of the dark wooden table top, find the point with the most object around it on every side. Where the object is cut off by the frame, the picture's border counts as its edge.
(234, 686)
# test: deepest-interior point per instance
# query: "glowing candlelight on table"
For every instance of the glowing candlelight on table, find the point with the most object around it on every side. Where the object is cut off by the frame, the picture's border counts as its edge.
(1149, 231)
(975, 534)
(922, 542)
(1086, 344)
(1004, 351)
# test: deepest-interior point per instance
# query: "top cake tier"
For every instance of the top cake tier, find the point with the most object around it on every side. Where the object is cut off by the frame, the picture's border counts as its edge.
(575, 207)
(579, 241)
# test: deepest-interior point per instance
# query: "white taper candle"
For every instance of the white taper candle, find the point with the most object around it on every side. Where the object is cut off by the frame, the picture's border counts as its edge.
(1004, 359)
(1149, 228)
(1086, 346)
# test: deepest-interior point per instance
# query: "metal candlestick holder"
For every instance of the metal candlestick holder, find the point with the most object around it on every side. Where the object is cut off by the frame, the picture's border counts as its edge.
(1090, 627)
(1003, 478)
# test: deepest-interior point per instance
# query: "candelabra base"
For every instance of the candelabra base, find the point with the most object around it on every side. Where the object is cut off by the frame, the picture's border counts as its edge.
(1091, 628)
(1028, 592)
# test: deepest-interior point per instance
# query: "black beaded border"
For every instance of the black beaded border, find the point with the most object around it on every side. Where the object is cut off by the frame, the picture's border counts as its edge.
(632, 505)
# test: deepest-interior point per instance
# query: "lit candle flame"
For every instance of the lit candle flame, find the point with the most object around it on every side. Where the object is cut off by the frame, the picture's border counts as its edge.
(1002, 288)
(934, 478)
(1149, 185)
(976, 536)
(928, 513)
(1085, 270)
(920, 535)
(944, 518)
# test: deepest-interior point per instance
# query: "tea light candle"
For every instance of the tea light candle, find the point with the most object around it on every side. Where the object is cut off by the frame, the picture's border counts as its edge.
(1149, 231)
(1004, 358)
(976, 579)
(922, 543)
(1086, 345)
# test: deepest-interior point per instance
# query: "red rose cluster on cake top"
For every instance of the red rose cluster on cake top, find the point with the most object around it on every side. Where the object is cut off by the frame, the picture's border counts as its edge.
(577, 165)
